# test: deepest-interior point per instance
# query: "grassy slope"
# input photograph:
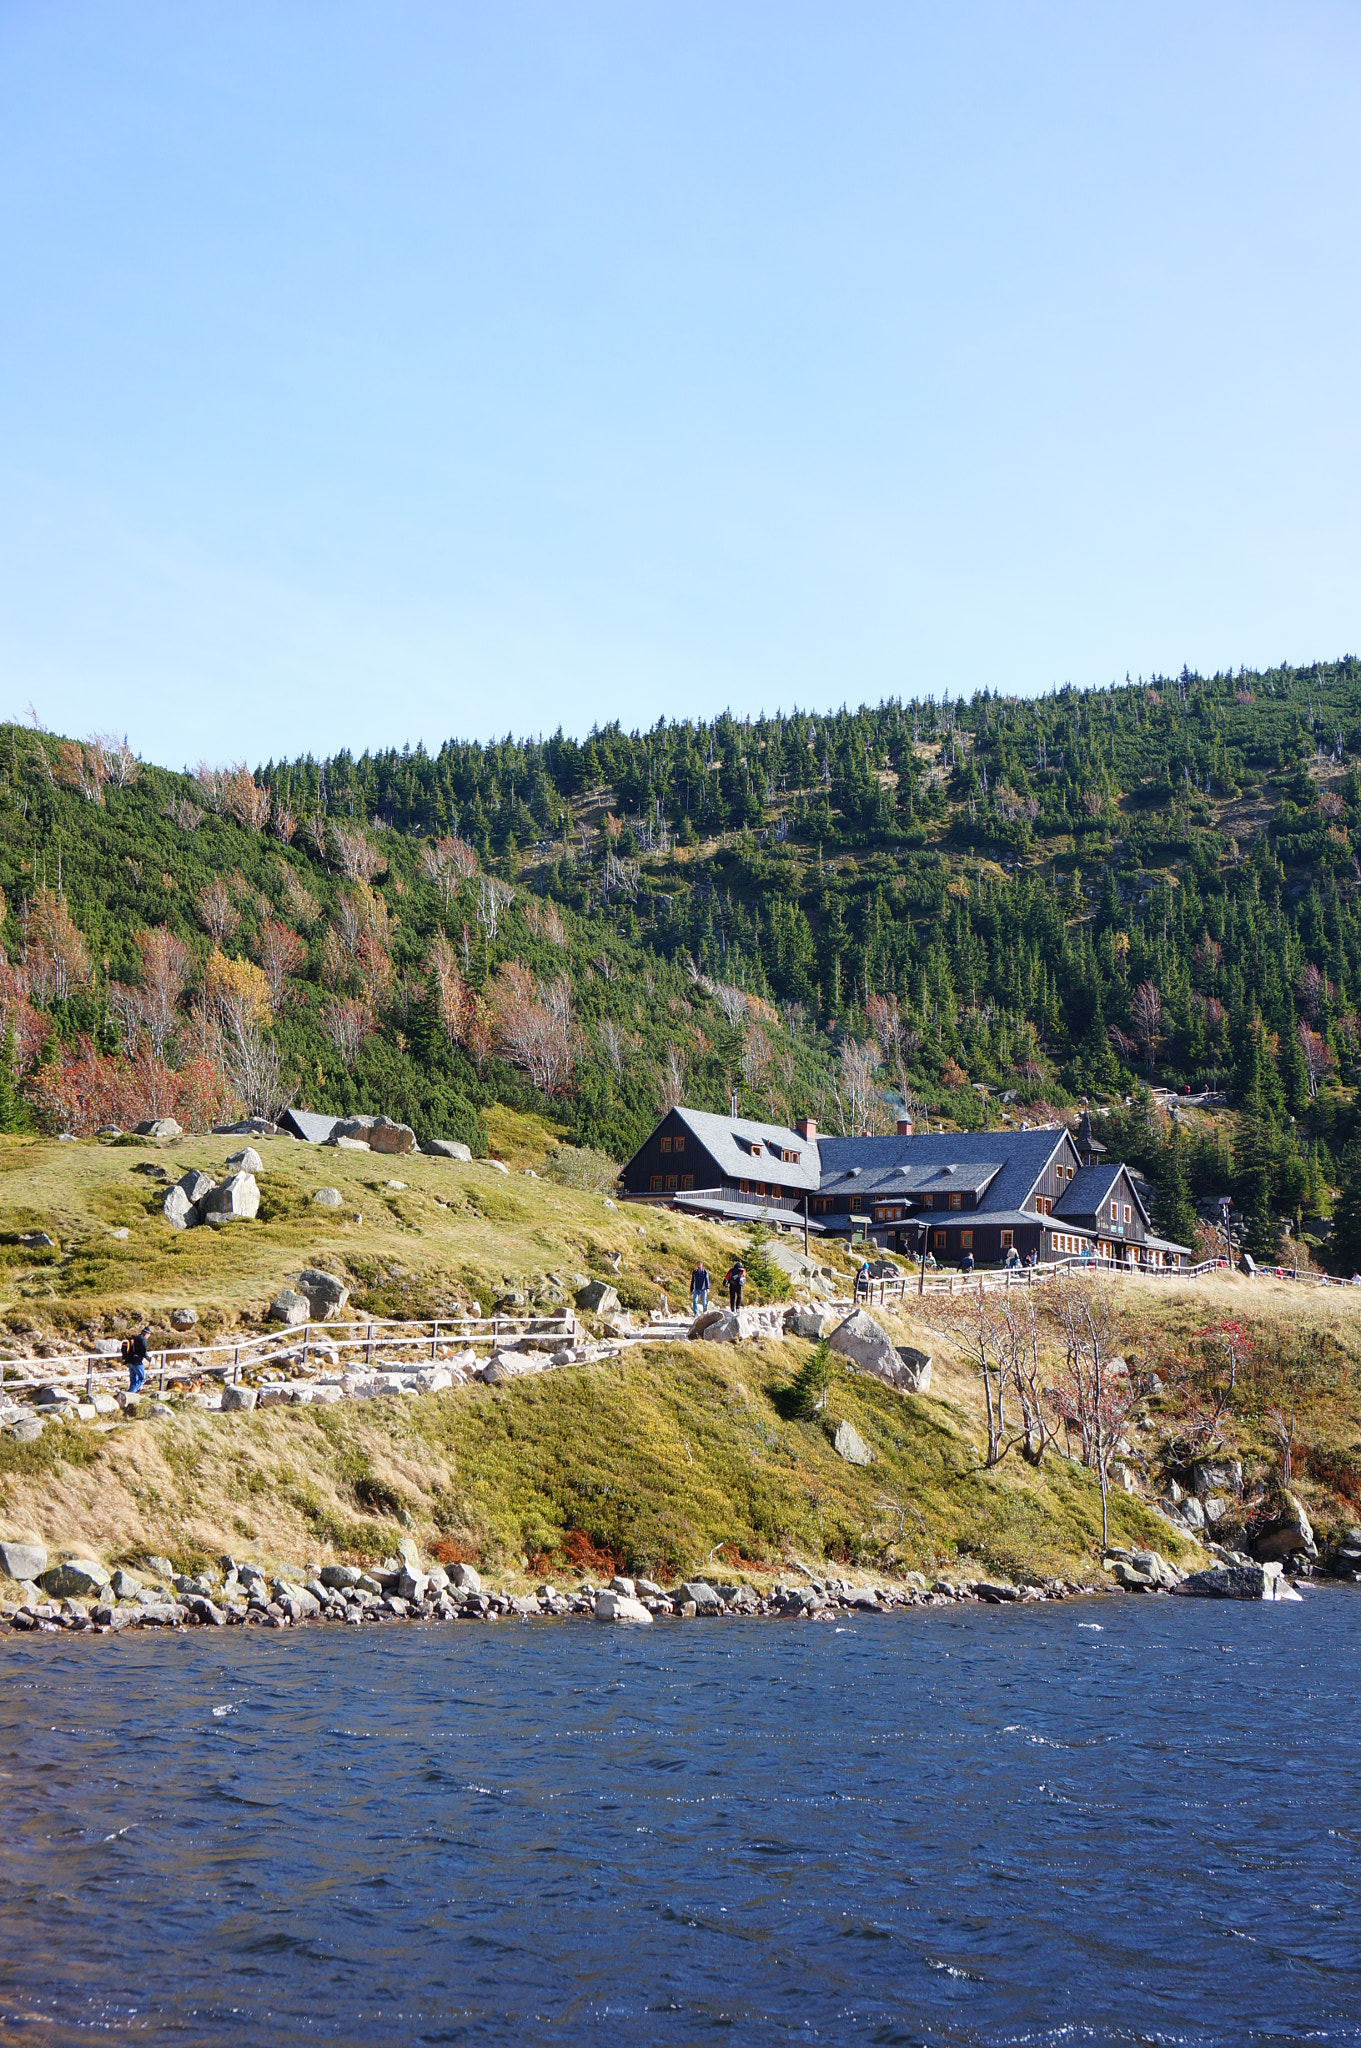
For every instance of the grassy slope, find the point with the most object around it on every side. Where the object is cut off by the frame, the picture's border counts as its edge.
(659, 1460)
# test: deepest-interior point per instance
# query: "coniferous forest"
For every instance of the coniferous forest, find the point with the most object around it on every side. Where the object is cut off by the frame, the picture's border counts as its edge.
(980, 907)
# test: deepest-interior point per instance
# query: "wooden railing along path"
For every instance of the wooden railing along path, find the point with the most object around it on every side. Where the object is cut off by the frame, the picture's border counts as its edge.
(227, 1359)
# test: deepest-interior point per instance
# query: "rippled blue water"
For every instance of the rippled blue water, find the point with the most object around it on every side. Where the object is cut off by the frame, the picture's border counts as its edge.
(1116, 1821)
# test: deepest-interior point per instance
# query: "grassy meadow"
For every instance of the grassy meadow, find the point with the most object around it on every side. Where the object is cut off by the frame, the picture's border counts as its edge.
(680, 1457)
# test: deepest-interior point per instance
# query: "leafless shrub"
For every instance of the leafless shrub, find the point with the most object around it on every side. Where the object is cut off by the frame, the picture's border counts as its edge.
(216, 915)
(358, 858)
(674, 1080)
(348, 1023)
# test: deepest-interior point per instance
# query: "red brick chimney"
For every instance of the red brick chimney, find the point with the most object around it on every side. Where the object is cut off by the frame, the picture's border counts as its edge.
(904, 1127)
(806, 1127)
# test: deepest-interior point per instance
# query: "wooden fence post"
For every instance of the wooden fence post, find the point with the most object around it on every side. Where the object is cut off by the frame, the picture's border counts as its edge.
(306, 1340)
(368, 1354)
(236, 1366)
(434, 1339)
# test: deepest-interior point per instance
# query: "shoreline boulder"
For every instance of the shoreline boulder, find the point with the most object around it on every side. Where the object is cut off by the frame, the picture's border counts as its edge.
(22, 1560)
(621, 1607)
(80, 1578)
(1237, 1582)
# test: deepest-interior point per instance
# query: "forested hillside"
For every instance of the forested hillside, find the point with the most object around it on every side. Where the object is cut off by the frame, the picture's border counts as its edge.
(940, 903)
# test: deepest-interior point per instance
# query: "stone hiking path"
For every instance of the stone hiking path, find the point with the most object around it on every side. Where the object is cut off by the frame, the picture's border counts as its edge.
(334, 1359)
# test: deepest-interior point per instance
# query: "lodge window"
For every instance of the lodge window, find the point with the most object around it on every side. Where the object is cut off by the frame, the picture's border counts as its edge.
(671, 1180)
(680, 1144)
(688, 1181)
(666, 1144)
(656, 1183)
(1006, 1240)
(956, 1201)
(1127, 1212)
(1115, 1212)
(966, 1240)
(745, 1187)
(939, 1236)
(855, 1201)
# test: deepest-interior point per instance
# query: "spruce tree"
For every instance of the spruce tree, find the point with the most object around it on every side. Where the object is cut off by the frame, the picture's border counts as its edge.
(1174, 1212)
(1344, 1250)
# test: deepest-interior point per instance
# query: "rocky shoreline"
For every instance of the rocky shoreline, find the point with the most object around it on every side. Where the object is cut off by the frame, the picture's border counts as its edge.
(80, 1595)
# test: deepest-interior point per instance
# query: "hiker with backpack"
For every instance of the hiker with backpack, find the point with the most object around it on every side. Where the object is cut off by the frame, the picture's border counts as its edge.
(737, 1280)
(134, 1358)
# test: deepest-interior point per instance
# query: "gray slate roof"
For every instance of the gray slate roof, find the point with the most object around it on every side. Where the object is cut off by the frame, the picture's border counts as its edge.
(1087, 1194)
(914, 1177)
(1024, 1156)
(730, 1141)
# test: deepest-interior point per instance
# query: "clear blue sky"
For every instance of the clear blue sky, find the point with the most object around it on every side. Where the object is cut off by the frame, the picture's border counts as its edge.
(372, 375)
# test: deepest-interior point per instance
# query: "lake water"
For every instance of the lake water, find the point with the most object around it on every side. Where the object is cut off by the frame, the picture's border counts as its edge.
(1102, 1821)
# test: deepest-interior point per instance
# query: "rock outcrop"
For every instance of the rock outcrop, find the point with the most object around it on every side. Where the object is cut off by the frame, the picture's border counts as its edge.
(1142, 1571)
(1288, 1535)
(449, 1148)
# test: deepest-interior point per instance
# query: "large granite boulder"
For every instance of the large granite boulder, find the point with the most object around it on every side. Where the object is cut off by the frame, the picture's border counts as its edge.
(196, 1185)
(867, 1346)
(379, 1133)
(327, 1198)
(247, 1161)
(177, 1209)
(237, 1200)
(386, 1136)
(465, 1578)
(159, 1128)
(717, 1326)
(238, 1400)
(327, 1296)
(449, 1148)
(1288, 1535)
(598, 1298)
